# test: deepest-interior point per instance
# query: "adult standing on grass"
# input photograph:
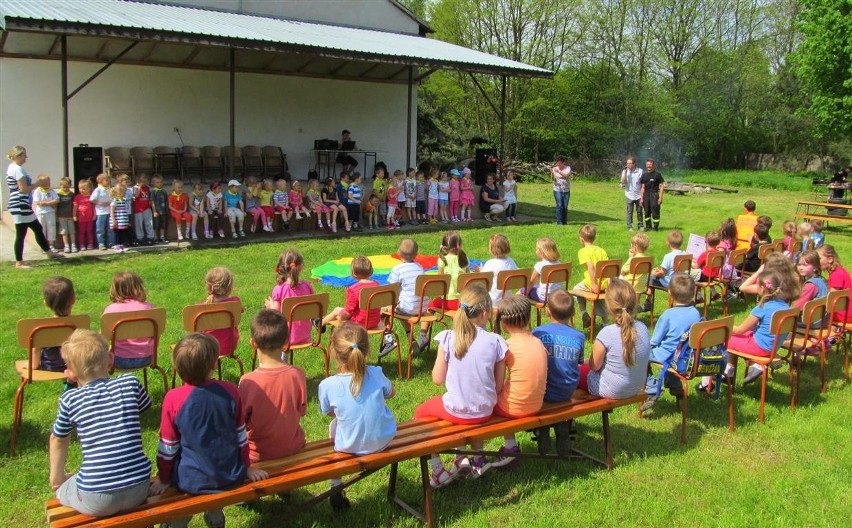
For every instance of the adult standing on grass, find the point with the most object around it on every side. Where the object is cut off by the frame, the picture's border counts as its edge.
(20, 205)
(561, 176)
(490, 202)
(631, 182)
(651, 195)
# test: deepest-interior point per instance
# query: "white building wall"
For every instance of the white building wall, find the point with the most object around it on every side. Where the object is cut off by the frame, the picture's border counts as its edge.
(373, 14)
(141, 106)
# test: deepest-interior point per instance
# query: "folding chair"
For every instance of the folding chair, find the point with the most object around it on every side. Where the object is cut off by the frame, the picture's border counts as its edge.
(508, 281)
(641, 266)
(778, 246)
(783, 322)
(166, 161)
(762, 251)
(837, 302)
(142, 161)
(552, 273)
(33, 335)
(211, 163)
(233, 155)
(118, 161)
(275, 162)
(303, 308)
(376, 298)
(207, 318)
(190, 162)
(813, 317)
(140, 324)
(604, 271)
(715, 261)
(425, 286)
(702, 335)
(736, 261)
(253, 161)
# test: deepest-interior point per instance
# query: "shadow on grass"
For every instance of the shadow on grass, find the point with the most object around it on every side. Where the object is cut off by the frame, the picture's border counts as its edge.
(547, 212)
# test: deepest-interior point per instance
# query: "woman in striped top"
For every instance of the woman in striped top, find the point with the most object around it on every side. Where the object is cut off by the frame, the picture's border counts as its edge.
(20, 205)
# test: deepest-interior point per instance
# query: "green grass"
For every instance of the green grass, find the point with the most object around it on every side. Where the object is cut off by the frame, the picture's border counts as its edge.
(792, 471)
(776, 180)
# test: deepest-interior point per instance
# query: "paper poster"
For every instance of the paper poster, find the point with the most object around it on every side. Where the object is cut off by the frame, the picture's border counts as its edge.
(695, 246)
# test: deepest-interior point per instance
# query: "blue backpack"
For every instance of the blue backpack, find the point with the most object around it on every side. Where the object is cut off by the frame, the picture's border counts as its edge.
(710, 361)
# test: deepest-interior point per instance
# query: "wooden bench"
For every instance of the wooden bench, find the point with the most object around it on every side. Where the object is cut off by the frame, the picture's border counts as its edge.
(318, 462)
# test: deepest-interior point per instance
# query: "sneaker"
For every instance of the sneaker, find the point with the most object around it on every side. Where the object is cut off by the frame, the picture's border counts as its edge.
(242, 234)
(630, 228)
(647, 306)
(102, 247)
(776, 364)
(235, 235)
(74, 249)
(440, 478)
(461, 467)
(208, 235)
(564, 436)
(90, 247)
(348, 227)
(317, 323)
(415, 348)
(66, 249)
(179, 237)
(487, 217)
(388, 346)
(587, 321)
(648, 403)
(479, 466)
(505, 460)
(118, 249)
(752, 374)
(334, 228)
(339, 501)
(542, 437)
(423, 342)
(703, 390)
(194, 236)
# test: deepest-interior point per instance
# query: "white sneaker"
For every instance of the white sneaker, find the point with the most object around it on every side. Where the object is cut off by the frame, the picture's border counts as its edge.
(66, 250)
(307, 214)
(180, 236)
(194, 236)
(242, 234)
(73, 249)
(235, 235)
(298, 216)
(208, 235)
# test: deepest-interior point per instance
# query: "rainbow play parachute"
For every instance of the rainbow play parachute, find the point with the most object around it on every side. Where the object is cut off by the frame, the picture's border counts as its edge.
(336, 272)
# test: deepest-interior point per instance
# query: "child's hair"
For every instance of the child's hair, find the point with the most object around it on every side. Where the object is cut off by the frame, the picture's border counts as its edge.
(42, 180)
(712, 239)
(560, 305)
(682, 288)
(621, 305)
(514, 311)
(127, 286)
(220, 282)
(546, 248)
(123, 178)
(58, 295)
(789, 228)
(780, 264)
(451, 244)
(86, 353)
(65, 180)
(473, 302)
(816, 226)
(177, 183)
(728, 231)
(289, 266)
(773, 286)
(407, 249)
(103, 179)
(588, 233)
(397, 173)
(361, 267)
(811, 257)
(765, 220)
(675, 239)
(761, 231)
(141, 179)
(499, 246)
(269, 330)
(750, 206)
(198, 187)
(828, 251)
(194, 357)
(85, 185)
(116, 193)
(641, 241)
(350, 346)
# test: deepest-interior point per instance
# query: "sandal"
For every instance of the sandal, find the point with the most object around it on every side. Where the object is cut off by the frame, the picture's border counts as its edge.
(440, 478)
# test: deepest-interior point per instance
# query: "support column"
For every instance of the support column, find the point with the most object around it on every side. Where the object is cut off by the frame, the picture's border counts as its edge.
(232, 75)
(408, 120)
(64, 42)
(502, 151)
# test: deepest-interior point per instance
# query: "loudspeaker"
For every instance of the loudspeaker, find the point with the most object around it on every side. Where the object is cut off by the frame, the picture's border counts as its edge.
(88, 163)
(486, 163)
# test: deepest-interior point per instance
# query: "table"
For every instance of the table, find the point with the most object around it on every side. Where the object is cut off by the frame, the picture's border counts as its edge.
(328, 158)
(803, 210)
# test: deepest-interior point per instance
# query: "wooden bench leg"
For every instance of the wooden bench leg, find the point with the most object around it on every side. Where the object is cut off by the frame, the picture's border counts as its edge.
(607, 439)
(426, 517)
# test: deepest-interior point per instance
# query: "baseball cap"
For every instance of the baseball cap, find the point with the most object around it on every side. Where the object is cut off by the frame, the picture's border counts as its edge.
(455, 172)
(233, 183)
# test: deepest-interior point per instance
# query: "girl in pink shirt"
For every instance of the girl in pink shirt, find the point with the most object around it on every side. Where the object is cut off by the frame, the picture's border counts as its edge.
(220, 283)
(289, 266)
(455, 195)
(838, 278)
(128, 294)
(84, 215)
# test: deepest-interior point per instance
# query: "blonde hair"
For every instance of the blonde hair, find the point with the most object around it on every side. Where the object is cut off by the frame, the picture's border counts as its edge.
(85, 185)
(827, 251)
(546, 248)
(361, 267)
(675, 238)
(473, 302)
(621, 305)
(588, 233)
(289, 265)
(408, 249)
(790, 283)
(127, 286)
(65, 180)
(641, 241)
(220, 282)
(87, 354)
(116, 193)
(499, 246)
(15, 151)
(42, 179)
(350, 346)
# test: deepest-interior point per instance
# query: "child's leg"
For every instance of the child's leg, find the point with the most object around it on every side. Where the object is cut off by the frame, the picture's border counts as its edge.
(101, 504)
(332, 316)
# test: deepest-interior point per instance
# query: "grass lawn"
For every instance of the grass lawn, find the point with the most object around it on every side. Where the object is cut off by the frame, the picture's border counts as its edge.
(792, 471)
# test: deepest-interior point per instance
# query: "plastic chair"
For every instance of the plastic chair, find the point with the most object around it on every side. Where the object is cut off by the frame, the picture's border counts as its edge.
(715, 261)
(253, 161)
(837, 302)
(275, 162)
(214, 316)
(425, 286)
(783, 322)
(302, 308)
(681, 264)
(233, 155)
(33, 335)
(641, 266)
(376, 298)
(508, 281)
(604, 271)
(702, 335)
(211, 163)
(118, 161)
(552, 273)
(762, 251)
(166, 161)
(142, 161)
(736, 260)
(813, 316)
(140, 324)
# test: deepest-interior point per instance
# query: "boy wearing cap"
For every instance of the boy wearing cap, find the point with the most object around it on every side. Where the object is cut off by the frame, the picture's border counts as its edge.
(235, 209)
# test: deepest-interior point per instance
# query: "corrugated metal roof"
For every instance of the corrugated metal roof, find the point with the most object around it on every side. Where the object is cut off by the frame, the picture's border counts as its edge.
(245, 29)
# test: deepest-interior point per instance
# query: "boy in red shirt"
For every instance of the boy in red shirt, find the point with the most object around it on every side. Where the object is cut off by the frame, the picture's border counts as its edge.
(143, 217)
(360, 269)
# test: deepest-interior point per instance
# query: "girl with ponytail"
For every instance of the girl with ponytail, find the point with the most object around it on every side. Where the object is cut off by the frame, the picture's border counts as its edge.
(290, 265)
(618, 365)
(355, 396)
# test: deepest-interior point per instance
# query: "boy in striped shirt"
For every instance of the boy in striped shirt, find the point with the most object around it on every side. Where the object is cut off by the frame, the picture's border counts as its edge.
(409, 304)
(115, 472)
(198, 415)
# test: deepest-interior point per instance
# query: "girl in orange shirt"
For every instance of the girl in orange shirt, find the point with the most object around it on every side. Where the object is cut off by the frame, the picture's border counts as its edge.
(179, 209)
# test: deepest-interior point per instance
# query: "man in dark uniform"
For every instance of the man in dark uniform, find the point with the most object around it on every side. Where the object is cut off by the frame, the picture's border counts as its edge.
(345, 159)
(651, 195)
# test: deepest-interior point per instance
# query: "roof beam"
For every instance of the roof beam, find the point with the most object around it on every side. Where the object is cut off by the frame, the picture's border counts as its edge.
(397, 72)
(371, 68)
(150, 52)
(425, 74)
(3, 40)
(97, 73)
(55, 45)
(337, 70)
(269, 63)
(307, 63)
(100, 53)
(192, 54)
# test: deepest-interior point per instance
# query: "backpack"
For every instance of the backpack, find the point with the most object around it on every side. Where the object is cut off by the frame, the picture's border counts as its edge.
(711, 362)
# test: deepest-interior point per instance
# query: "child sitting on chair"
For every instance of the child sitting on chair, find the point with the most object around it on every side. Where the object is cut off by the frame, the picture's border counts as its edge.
(662, 275)
(409, 304)
(115, 472)
(128, 294)
(361, 269)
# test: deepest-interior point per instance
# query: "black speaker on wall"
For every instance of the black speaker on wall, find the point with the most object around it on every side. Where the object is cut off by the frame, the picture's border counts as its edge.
(88, 163)
(486, 163)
